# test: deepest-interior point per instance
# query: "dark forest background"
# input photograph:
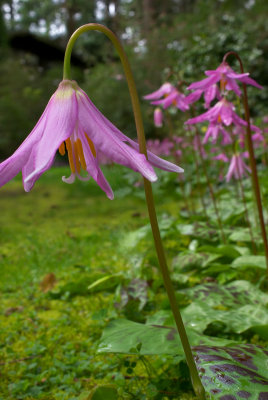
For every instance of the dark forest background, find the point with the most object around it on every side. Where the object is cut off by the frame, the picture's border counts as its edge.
(165, 40)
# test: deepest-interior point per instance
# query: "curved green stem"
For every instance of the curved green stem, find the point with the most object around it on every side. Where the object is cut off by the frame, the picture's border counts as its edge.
(254, 173)
(198, 387)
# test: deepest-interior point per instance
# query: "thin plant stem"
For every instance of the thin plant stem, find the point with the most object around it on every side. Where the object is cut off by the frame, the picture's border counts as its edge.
(197, 385)
(210, 187)
(182, 182)
(252, 160)
(243, 197)
(199, 186)
(254, 249)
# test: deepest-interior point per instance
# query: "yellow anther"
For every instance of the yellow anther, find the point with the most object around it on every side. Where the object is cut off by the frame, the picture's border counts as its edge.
(91, 145)
(79, 149)
(70, 154)
(219, 118)
(223, 84)
(76, 157)
(62, 149)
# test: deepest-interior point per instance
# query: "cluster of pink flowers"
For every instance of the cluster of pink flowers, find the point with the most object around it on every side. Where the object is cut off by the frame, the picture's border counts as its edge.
(222, 114)
(223, 122)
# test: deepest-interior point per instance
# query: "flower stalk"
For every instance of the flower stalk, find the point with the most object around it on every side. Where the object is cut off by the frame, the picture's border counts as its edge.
(198, 387)
(254, 173)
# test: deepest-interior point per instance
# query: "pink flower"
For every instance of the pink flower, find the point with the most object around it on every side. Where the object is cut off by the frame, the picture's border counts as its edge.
(158, 117)
(164, 90)
(222, 111)
(237, 168)
(174, 98)
(227, 76)
(71, 122)
(213, 131)
(221, 157)
(210, 94)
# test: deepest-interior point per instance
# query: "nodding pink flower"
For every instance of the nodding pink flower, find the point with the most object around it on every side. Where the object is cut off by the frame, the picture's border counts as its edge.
(72, 123)
(210, 94)
(164, 90)
(158, 117)
(237, 169)
(227, 77)
(221, 157)
(223, 111)
(174, 98)
(213, 131)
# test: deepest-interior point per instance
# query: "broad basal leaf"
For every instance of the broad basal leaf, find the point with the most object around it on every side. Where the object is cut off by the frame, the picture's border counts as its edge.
(123, 336)
(250, 261)
(233, 373)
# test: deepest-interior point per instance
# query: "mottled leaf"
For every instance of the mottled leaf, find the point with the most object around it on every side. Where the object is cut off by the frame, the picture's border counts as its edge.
(233, 373)
(234, 294)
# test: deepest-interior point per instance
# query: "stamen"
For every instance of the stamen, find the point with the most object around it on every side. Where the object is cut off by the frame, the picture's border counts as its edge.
(70, 154)
(223, 83)
(79, 149)
(219, 118)
(62, 149)
(91, 145)
(76, 158)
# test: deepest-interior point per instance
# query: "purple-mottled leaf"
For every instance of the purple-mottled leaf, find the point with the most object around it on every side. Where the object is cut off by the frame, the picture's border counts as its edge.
(233, 373)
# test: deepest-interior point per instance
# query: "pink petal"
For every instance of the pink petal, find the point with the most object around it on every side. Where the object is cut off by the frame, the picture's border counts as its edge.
(108, 143)
(164, 89)
(93, 168)
(153, 159)
(14, 164)
(60, 123)
(205, 83)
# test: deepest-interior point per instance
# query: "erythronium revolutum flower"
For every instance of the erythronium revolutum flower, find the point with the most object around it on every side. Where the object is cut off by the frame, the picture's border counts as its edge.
(222, 111)
(237, 168)
(213, 131)
(164, 90)
(71, 122)
(210, 93)
(227, 76)
(221, 157)
(158, 117)
(174, 98)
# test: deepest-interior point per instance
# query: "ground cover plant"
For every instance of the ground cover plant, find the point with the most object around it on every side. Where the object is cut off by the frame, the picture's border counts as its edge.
(214, 270)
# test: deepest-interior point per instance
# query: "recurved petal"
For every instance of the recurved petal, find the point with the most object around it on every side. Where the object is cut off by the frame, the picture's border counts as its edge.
(93, 168)
(205, 83)
(14, 164)
(60, 123)
(109, 143)
(164, 89)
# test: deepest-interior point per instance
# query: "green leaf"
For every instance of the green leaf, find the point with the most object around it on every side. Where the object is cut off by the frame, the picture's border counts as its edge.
(122, 336)
(250, 261)
(239, 306)
(188, 260)
(107, 392)
(105, 283)
(233, 373)
(224, 250)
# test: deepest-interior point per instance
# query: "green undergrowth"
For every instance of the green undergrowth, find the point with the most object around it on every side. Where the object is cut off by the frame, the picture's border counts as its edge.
(84, 314)
(48, 342)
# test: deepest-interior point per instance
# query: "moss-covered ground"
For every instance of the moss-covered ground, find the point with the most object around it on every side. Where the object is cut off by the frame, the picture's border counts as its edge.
(48, 343)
